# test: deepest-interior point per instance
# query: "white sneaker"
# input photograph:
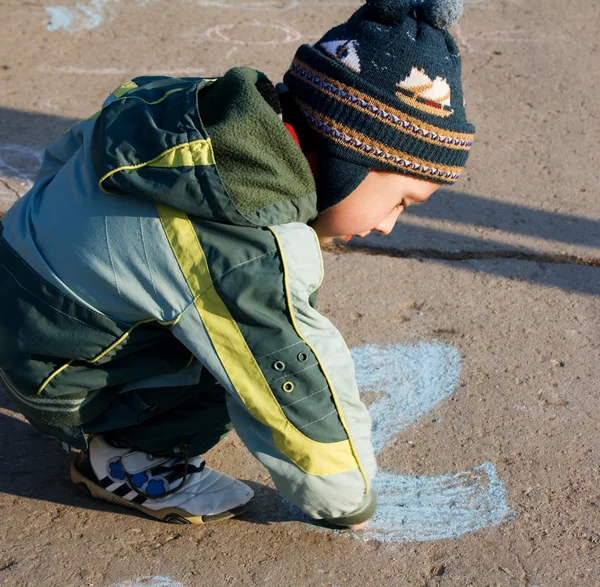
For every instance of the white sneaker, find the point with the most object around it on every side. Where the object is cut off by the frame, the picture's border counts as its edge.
(164, 487)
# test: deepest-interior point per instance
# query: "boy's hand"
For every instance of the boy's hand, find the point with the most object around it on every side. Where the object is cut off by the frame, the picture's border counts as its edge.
(366, 511)
(359, 526)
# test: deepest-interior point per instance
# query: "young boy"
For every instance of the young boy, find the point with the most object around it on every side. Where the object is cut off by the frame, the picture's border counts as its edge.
(159, 281)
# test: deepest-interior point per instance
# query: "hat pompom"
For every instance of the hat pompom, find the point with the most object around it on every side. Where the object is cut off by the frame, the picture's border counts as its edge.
(390, 11)
(440, 14)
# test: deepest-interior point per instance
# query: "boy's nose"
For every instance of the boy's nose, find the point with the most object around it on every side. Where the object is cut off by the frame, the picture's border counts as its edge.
(386, 226)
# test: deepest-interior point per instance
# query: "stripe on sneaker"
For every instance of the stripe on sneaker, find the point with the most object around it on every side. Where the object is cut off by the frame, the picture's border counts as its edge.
(177, 473)
(139, 499)
(122, 490)
(179, 468)
(105, 482)
(173, 476)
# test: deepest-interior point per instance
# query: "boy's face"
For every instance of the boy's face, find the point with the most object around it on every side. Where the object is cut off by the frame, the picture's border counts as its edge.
(374, 205)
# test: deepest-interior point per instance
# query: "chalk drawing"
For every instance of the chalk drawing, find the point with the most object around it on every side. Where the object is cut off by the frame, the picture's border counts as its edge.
(191, 71)
(426, 508)
(81, 16)
(264, 33)
(94, 13)
(462, 39)
(282, 5)
(413, 380)
(230, 52)
(84, 16)
(468, 40)
(410, 381)
(148, 581)
(19, 163)
(488, 3)
(515, 36)
(272, 5)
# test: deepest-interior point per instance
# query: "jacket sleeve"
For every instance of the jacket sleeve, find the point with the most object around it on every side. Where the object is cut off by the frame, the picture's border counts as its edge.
(293, 397)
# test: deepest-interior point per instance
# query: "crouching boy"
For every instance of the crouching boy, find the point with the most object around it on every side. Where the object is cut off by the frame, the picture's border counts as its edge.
(159, 281)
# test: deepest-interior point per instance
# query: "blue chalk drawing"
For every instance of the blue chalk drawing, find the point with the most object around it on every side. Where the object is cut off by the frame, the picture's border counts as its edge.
(409, 381)
(94, 13)
(432, 508)
(81, 16)
(149, 581)
(276, 5)
(413, 379)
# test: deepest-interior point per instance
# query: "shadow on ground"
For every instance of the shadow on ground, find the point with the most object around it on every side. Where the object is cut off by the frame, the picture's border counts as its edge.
(34, 466)
(568, 273)
(512, 218)
(31, 129)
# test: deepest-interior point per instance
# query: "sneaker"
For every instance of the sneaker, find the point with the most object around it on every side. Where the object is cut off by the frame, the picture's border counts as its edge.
(170, 488)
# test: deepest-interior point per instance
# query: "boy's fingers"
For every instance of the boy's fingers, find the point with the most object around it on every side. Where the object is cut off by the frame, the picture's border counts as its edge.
(359, 526)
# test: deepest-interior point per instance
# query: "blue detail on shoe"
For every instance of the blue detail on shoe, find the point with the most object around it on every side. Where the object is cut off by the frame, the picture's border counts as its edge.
(116, 471)
(156, 487)
(139, 479)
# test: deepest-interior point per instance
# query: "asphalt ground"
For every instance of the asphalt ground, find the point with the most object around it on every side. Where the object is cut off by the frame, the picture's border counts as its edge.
(482, 306)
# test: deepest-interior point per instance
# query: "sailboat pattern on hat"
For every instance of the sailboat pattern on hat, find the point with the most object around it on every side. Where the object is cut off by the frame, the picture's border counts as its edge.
(345, 52)
(420, 91)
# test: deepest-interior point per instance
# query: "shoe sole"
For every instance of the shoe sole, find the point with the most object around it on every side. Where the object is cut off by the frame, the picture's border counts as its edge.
(169, 515)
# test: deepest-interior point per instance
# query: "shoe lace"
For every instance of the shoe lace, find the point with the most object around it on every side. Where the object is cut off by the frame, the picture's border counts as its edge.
(181, 448)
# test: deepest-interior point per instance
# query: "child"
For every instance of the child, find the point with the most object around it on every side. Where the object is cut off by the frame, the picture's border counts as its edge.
(159, 281)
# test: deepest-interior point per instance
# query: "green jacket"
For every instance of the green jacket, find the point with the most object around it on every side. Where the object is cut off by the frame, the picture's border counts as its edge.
(166, 235)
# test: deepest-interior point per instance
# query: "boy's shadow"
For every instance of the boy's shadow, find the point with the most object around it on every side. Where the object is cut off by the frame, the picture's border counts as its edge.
(34, 466)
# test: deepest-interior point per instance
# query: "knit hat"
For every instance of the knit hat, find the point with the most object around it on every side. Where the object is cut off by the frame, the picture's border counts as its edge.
(383, 91)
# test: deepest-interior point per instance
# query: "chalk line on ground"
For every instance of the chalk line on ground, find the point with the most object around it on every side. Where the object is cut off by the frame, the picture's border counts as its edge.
(94, 13)
(275, 5)
(191, 71)
(424, 508)
(20, 163)
(413, 380)
(226, 33)
(149, 581)
(81, 16)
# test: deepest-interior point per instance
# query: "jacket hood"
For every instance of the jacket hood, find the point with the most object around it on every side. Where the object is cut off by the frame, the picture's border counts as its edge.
(213, 148)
